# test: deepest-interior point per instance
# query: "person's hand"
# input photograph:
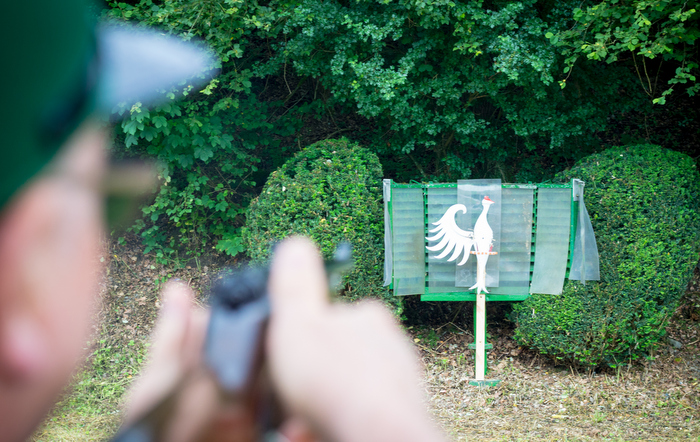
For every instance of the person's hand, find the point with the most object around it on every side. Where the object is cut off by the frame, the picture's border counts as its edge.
(175, 361)
(176, 364)
(346, 370)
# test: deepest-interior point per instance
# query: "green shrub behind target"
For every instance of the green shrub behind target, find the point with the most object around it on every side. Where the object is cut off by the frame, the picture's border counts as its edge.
(644, 206)
(330, 192)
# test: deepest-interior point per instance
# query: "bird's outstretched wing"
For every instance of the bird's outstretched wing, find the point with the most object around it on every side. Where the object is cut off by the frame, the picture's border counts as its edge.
(452, 239)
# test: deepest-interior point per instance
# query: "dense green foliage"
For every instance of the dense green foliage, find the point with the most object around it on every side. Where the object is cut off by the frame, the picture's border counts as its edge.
(640, 32)
(439, 90)
(210, 144)
(457, 89)
(644, 203)
(330, 192)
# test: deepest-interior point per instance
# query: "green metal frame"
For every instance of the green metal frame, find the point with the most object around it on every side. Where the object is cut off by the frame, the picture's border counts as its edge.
(511, 294)
(495, 293)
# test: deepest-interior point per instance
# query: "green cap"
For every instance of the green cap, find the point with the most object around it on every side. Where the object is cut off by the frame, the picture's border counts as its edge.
(59, 68)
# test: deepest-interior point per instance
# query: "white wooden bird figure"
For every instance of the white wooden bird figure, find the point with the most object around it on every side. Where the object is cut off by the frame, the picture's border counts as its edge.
(483, 245)
(453, 238)
(457, 241)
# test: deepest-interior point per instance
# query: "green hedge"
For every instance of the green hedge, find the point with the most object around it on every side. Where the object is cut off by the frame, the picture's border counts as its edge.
(330, 192)
(644, 203)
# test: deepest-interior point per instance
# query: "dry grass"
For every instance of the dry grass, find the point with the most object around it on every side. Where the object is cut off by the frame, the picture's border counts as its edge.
(654, 402)
(77, 427)
(535, 401)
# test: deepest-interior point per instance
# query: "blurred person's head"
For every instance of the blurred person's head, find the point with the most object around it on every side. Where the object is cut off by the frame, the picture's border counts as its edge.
(58, 73)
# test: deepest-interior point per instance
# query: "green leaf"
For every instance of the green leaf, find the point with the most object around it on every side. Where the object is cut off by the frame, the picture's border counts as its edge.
(130, 126)
(231, 246)
(131, 140)
(203, 153)
(148, 133)
(159, 121)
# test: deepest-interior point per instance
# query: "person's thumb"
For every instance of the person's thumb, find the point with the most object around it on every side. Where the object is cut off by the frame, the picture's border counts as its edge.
(297, 285)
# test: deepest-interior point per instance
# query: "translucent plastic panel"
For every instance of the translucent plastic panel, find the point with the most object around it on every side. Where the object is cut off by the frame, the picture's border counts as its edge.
(441, 273)
(584, 262)
(408, 241)
(516, 237)
(551, 240)
(471, 193)
(387, 233)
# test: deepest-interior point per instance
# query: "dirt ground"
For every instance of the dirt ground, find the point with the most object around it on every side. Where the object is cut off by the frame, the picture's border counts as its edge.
(658, 399)
(536, 400)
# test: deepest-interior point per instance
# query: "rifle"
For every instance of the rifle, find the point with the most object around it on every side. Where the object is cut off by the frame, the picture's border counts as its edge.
(233, 350)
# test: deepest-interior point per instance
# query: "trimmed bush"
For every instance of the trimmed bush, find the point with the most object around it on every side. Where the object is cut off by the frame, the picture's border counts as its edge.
(330, 192)
(644, 205)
